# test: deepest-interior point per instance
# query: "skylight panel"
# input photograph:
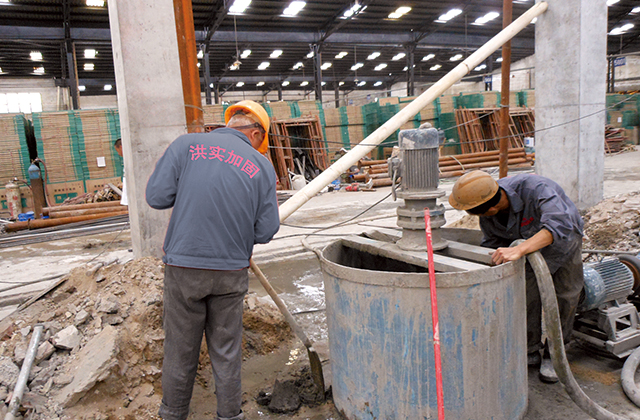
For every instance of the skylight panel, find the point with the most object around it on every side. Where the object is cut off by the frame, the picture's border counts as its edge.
(436, 67)
(378, 83)
(260, 84)
(325, 66)
(95, 3)
(448, 16)
(245, 54)
(621, 29)
(305, 83)
(35, 56)
(398, 56)
(400, 11)
(486, 18)
(380, 66)
(456, 57)
(276, 54)
(357, 66)
(286, 83)
(239, 6)
(428, 57)
(264, 65)
(89, 66)
(342, 54)
(90, 53)
(373, 55)
(294, 8)
(240, 84)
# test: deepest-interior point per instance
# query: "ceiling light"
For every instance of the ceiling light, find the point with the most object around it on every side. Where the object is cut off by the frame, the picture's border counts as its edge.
(341, 84)
(635, 11)
(245, 54)
(298, 65)
(108, 87)
(36, 56)
(612, 2)
(95, 3)
(436, 67)
(211, 85)
(449, 15)
(621, 29)
(499, 60)
(240, 84)
(405, 68)
(90, 53)
(342, 55)
(480, 67)
(234, 66)
(260, 84)
(486, 18)
(456, 57)
(352, 10)
(38, 70)
(323, 83)
(199, 56)
(373, 56)
(305, 83)
(362, 83)
(82, 88)
(310, 55)
(400, 11)
(285, 83)
(380, 66)
(357, 66)
(294, 8)
(377, 83)
(239, 6)
(264, 65)
(276, 54)
(325, 66)
(398, 56)
(428, 57)
(89, 66)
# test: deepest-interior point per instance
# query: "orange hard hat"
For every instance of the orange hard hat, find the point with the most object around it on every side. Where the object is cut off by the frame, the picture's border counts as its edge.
(258, 113)
(472, 190)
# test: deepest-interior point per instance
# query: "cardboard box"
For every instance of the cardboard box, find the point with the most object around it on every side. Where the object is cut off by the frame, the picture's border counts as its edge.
(93, 185)
(58, 192)
(394, 100)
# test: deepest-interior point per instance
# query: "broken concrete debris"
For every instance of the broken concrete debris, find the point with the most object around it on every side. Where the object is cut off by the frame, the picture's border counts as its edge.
(101, 349)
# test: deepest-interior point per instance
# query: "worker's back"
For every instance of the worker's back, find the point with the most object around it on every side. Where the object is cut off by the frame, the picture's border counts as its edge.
(223, 196)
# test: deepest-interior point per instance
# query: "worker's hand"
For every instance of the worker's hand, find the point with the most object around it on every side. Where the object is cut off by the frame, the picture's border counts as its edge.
(503, 255)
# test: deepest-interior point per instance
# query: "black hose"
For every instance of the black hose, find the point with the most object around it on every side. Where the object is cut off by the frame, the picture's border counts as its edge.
(628, 377)
(556, 345)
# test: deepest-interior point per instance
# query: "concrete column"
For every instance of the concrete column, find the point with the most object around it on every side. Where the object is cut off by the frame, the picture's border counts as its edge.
(571, 67)
(151, 105)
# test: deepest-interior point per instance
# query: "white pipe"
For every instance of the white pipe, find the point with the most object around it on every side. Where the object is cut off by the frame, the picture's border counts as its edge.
(16, 400)
(385, 130)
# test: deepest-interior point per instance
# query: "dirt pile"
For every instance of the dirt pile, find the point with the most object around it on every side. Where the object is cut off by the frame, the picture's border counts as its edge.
(101, 352)
(613, 224)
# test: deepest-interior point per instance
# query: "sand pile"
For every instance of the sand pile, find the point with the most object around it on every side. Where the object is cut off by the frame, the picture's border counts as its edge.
(101, 352)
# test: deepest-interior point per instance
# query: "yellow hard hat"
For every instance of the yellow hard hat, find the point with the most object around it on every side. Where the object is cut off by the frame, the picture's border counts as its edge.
(472, 190)
(255, 109)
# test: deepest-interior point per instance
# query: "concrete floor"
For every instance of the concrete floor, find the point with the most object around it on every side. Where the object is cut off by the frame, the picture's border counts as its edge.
(599, 377)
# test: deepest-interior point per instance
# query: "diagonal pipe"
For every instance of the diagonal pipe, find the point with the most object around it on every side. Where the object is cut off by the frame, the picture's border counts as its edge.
(385, 130)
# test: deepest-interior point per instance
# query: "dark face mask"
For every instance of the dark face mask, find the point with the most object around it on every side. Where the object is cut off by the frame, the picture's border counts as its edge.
(484, 207)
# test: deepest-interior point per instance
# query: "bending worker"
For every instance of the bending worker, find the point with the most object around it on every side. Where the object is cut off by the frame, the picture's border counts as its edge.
(223, 193)
(536, 209)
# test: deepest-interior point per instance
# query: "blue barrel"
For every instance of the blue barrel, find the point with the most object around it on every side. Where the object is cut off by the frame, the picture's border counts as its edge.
(381, 340)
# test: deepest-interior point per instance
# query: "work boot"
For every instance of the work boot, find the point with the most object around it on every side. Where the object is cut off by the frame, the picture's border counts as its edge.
(547, 373)
(533, 358)
(238, 417)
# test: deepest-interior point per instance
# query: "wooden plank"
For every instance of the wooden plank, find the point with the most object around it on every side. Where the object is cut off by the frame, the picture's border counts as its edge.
(385, 249)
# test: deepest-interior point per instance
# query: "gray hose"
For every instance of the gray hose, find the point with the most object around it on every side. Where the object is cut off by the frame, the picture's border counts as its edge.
(628, 377)
(556, 345)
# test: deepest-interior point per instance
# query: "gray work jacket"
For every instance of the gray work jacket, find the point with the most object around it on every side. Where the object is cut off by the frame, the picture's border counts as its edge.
(536, 202)
(223, 194)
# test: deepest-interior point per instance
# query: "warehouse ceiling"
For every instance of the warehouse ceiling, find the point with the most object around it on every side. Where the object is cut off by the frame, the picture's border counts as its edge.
(363, 40)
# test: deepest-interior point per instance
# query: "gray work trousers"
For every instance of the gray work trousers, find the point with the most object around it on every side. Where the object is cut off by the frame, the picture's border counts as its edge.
(197, 301)
(568, 282)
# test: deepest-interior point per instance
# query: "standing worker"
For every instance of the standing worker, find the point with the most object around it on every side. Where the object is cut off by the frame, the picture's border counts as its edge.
(536, 209)
(223, 193)
(123, 200)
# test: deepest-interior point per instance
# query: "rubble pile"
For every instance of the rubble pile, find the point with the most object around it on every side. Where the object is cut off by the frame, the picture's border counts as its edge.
(100, 356)
(613, 224)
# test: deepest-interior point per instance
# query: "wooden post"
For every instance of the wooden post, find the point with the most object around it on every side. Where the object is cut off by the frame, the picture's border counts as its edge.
(504, 102)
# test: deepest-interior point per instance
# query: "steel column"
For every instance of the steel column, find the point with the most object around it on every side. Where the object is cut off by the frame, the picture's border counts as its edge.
(337, 94)
(207, 78)
(507, 13)
(317, 70)
(189, 66)
(411, 49)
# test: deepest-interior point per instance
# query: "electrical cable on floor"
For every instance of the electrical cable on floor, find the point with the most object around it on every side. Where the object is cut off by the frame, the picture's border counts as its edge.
(107, 246)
